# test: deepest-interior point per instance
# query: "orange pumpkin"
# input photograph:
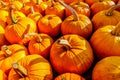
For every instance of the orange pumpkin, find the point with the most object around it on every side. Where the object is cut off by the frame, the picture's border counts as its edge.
(50, 24)
(71, 1)
(101, 5)
(57, 9)
(18, 28)
(76, 24)
(105, 41)
(106, 17)
(69, 76)
(32, 67)
(71, 53)
(107, 69)
(3, 40)
(10, 54)
(80, 7)
(3, 76)
(40, 44)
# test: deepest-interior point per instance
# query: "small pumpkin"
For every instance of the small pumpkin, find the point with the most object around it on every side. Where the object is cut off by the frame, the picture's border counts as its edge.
(31, 67)
(105, 41)
(107, 68)
(50, 24)
(106, 17)
(101, 5)
(80, 7)
(18, 28)
(3, 76)
(69, 76)
(71, 53)
(76, 23)
(9, 54)
(56, 8)
(40, 44)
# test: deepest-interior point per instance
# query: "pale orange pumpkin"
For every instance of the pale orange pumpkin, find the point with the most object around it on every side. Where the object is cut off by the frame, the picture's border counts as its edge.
(10, 54)
(76, 23)
(107, 69)
(71, 53)
(32, 67)
(105, 41)
(69, 76)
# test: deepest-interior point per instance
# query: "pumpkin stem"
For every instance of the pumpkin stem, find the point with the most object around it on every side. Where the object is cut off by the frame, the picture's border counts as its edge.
(3, 3)
(116, 31)
(19, 69)
(100, 0)
(76, 17)
(14, 21)
(7, 51)
(111, 9)
(52, 2)
(65, 43)
(39, 40)
(38, 2)
(63, 78)
(32, 9)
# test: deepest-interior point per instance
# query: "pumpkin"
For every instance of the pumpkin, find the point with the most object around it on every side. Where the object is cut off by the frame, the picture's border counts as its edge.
(32, 67)
(50, 24)
(107, 69)
(56, 8)
(106, 17)
(18, 28)
(71, 53)
(34, 15)
(3, 40)
(9, 54)
(71, 1)
(69, 76)
(105, 41)
(101, 5)
(3, 76)
(80, 7)
(40, 44)
(76, 23)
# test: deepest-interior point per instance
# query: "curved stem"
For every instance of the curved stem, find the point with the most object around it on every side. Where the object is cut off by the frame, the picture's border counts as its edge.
(65, 43)
(32, 9)
(14, 21)
(6, 50)
(35, 35)
(110, 10)
(71, 10)
(116, 31)
(19, 69)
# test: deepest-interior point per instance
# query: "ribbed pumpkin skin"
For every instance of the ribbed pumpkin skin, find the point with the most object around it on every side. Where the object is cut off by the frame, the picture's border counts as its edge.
(37, 67)
(18, 52)
(107, 69)
(14, 33)
(3, 76)
(77, 59)
(104, 43)
(69, 76)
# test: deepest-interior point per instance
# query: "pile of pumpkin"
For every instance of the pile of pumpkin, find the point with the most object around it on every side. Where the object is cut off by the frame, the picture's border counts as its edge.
(59, 40)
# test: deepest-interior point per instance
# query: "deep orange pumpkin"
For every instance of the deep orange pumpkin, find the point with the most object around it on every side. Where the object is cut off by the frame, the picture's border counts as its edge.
(71, 53)
(106, 17)
(69, 76)
(76, 24)
(107, 69)
(40, 44)
(32, 67)
(105, 41)
(9, 54)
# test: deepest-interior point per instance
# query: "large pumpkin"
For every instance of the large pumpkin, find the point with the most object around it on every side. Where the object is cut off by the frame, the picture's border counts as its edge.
(50, 24)
(32, 67)
(40, 44)
(76, 23)
(105, 41)
(106, 17)
(10, 54)
(69, 76)
(107, 69)
(71, 53)
(3, 76)
(14, 32)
